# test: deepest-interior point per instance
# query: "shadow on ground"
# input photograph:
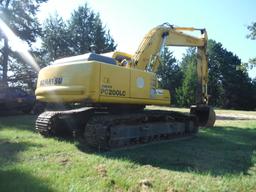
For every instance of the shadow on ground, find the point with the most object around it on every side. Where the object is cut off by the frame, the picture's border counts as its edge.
(13, 178)
(218, 151)
(10, 149)
(21, 122)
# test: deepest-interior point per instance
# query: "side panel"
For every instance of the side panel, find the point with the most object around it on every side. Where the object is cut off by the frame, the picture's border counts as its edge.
(97, 82)
(71, 82)
(114, 82)
(144, 86)
(141, 84)
(130, 86)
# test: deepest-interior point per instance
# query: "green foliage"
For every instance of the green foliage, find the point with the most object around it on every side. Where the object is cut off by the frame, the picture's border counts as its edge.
(229, 87)
(252, 61)
(169, 74)
(82, 33)
(20, 16)
(187, 91)
(54, 39)
(215, 89)
(252, 35)
(252, 29)
(88, 31)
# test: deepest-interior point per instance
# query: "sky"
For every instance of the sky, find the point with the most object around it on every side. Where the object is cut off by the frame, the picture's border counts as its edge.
(226, 21)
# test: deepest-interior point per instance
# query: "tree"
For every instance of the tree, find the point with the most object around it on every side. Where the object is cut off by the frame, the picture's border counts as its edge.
(169, 74)
(82, 33)
(252, 29)
(252, 35)
(229, 86)
(20, 16)
(215, 88)
(88, 31)
(186, 93)
(55, 39)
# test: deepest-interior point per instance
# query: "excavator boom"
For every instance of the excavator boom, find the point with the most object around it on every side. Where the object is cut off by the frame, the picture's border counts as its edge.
(147, 57)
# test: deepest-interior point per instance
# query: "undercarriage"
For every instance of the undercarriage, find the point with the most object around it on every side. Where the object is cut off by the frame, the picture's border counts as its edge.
(103, 130)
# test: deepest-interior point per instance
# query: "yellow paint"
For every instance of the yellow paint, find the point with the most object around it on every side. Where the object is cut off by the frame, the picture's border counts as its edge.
(98, 82)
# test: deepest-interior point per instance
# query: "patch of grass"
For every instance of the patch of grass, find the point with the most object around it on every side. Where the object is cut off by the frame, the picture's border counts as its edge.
(222, 158)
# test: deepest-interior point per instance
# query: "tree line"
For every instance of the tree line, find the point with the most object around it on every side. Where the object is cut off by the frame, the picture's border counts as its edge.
(229, 83)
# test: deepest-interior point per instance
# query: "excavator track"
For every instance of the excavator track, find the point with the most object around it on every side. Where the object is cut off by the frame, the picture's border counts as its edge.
(106, 132)
(59, 123)
(44, 123)
(103, 130)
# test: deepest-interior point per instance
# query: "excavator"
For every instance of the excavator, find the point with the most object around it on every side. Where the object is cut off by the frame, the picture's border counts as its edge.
(111, 93)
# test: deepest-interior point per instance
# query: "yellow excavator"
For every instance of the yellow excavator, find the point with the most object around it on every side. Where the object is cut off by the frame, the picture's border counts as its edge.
(112, 92)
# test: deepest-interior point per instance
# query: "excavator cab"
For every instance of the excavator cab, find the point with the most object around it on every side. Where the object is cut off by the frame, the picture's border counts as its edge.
(123, 59)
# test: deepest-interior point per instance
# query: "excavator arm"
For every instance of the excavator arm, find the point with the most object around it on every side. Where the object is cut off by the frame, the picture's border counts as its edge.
(148, 57)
